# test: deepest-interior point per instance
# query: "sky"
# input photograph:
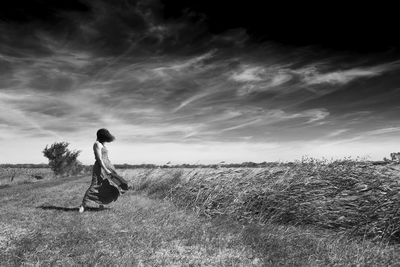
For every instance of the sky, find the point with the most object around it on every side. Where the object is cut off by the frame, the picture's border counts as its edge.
(192, 82)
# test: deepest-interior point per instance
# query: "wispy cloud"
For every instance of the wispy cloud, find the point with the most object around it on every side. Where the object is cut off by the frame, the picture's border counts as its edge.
(242, 125)
(313, 76)
(259, 79)
(249, 74)
(382, 131)
(337, 133)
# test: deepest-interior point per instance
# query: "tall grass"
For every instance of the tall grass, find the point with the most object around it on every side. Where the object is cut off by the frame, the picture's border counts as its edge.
(345, 195)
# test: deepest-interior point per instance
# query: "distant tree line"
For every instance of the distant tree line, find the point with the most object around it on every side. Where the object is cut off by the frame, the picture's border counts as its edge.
(186, 165)
(152, 166)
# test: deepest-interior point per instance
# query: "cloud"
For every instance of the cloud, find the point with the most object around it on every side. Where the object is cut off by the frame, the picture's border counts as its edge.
(275, 76)
(337, 133)
(259, 79)
(312, 76)
(263, 120)
(382, 131)
(315, 115)
(186, 65)
(190, 100)
(249, 74)
(242, 125)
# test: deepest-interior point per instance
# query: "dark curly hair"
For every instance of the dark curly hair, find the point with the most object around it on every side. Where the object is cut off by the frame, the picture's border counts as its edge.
(103, 135)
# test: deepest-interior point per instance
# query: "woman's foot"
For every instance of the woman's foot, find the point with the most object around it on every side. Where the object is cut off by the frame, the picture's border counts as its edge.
(121, 191)
(81, 209)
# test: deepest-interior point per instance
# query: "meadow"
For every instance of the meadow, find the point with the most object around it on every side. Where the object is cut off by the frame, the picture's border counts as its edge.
(308, 213)
(13, 176)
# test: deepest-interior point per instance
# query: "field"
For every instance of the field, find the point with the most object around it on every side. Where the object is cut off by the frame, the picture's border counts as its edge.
(311, 213)
(13, 176)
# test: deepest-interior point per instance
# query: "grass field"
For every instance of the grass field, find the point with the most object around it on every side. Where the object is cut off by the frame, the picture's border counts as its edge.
(208, 217)
(13, 176)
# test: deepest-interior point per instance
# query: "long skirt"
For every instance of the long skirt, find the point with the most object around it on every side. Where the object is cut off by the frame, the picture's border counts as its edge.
(101, 190)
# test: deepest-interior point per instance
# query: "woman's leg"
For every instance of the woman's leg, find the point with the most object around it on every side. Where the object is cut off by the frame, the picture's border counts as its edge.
(84, 201)
(86, 197)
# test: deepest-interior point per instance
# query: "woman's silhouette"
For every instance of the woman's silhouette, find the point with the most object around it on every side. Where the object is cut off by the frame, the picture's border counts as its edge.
(101, 191)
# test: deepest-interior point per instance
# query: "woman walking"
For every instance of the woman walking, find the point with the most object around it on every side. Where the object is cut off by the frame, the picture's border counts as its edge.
(101, 191)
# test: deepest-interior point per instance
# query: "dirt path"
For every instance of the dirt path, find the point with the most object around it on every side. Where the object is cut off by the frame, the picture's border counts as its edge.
(40, 225)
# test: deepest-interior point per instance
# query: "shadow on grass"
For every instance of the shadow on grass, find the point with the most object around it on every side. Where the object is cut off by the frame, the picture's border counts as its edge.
(51, 207)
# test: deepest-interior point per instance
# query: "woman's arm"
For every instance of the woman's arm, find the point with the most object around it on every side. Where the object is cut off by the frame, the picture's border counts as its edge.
(97, 154)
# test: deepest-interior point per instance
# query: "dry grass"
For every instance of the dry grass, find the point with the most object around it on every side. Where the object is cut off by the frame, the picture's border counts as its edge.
(346, 196)
(10, 176)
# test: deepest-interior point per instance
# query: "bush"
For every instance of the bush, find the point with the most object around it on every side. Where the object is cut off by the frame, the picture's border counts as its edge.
(61, 160)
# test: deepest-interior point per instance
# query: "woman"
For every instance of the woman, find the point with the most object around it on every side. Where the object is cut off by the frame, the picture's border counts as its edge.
(101, 191)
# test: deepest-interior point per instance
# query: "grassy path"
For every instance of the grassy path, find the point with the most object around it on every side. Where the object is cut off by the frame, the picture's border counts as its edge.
(40, 225)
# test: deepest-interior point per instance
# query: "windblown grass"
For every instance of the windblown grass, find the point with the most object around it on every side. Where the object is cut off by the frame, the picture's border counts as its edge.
(347, 196)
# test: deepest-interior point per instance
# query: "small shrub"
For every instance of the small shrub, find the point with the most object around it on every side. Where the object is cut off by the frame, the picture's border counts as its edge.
(61, 160)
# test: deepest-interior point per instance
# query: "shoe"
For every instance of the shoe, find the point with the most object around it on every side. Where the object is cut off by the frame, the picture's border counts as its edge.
(101, 207)
(81, 209)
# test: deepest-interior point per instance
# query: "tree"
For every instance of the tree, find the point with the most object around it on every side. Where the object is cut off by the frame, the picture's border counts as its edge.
(61, 160)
